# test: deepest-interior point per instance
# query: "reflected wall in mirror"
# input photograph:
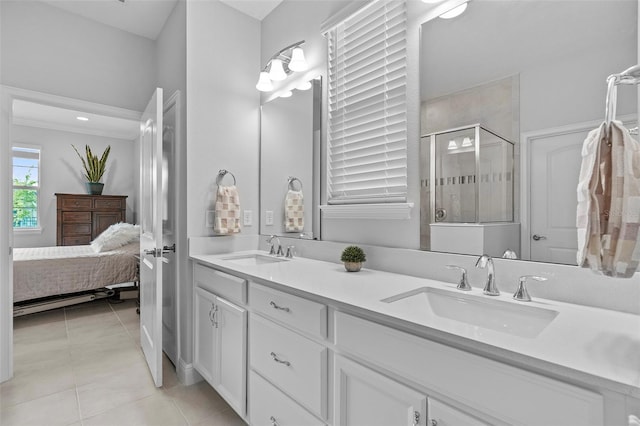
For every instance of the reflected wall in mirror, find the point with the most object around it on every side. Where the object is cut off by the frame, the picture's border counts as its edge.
(290, 164)
(533, 73)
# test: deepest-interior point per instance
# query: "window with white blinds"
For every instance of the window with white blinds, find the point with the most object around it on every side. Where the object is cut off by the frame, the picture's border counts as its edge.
(367, 117)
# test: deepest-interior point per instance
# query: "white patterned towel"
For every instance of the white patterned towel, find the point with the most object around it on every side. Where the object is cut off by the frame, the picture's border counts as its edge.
(294, 211)
(227, 210)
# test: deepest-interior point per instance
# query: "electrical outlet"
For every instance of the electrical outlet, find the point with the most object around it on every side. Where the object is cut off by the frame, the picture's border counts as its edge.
(247, 218)
(209, 218)
(268, 219)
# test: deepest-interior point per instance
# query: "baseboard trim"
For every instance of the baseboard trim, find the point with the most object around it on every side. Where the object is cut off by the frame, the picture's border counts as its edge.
(187, 375)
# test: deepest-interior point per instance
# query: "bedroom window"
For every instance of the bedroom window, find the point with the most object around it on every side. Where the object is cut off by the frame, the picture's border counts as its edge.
(26, 187)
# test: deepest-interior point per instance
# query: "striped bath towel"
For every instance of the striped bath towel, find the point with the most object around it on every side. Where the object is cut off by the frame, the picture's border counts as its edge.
(608, 214)
(294, 211)
(227, 210)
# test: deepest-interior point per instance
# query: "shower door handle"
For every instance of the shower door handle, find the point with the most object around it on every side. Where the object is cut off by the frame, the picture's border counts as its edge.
(537, 237)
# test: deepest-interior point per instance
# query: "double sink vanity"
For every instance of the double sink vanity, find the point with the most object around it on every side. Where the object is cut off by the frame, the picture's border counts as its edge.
(298, 341)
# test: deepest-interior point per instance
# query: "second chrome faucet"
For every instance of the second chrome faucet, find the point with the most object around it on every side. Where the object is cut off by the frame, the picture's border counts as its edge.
(490, 287)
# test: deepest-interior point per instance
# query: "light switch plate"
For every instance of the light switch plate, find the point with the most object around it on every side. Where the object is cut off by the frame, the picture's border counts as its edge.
(268, 217)
(247, 218)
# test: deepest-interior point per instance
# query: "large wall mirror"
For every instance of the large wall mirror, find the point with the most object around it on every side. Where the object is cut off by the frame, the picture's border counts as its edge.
(509, 90)
(290, 164)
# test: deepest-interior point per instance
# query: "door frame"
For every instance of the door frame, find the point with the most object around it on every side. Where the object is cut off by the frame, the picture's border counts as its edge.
(7, 95)
(527, 139)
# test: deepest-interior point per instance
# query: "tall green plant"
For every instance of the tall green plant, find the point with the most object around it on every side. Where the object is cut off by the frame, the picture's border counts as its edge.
(94, 167)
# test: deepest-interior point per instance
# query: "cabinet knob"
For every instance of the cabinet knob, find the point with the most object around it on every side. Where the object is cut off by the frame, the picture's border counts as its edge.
(273, 420)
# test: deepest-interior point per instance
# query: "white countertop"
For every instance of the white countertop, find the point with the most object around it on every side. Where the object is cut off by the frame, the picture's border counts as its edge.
(591, 344)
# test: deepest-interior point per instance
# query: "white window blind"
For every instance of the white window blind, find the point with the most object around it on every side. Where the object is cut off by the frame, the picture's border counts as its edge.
(367, 121)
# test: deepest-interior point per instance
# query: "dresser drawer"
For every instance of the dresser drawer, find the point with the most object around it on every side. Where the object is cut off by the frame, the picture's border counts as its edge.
(74, 203)
(514, 395)
(109, 203)
(293, 363)
(220, 283)
(269, 406)
(75, 229)
(76, 217)
(305, 315)
(79, 240)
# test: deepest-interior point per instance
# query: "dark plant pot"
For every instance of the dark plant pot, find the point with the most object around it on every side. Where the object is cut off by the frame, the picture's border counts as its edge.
(352, 266)
(94, 188)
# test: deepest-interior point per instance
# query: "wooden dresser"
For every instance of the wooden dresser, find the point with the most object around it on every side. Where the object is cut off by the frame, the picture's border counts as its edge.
(81, 218)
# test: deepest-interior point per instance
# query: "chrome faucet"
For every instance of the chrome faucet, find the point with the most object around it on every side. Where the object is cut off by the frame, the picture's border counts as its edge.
(490, 288)
(273, 250)
(463, 284)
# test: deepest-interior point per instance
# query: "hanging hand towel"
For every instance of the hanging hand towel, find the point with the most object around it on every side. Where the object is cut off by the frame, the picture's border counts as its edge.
(608, 215)
(294, 211)
(227, 210)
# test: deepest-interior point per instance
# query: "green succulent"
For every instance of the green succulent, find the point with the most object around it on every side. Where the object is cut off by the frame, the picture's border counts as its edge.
(94, 167)
(353, 254)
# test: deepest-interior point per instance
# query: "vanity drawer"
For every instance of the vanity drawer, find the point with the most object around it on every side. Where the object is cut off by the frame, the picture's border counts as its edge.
(269, 406)
(510, 394)
(305, 315)
(293, 363)
(220, 283)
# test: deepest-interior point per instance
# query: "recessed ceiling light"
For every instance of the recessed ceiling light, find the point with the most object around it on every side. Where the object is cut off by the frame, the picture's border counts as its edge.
(82, 118)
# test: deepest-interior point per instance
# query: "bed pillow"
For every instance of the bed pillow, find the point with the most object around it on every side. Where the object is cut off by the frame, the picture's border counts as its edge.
(116, 236)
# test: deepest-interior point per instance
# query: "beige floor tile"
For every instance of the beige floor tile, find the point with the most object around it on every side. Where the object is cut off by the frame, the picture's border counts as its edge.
(223, 418)
(86, 329)
(92, 369)
(197, 402)
(90, 348)
(156, 410)
(33, 384)
(169, 374)
(88, 309)
(39, 333)
(57, 409)
(121, 387)
(41, 357)
(47, 317)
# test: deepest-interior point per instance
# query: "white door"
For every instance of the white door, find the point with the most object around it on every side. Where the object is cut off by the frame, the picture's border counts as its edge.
(151, 212)
(554, 170)
(365, 397)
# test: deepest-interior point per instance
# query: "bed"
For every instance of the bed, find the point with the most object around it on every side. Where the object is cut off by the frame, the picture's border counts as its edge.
(41, 274)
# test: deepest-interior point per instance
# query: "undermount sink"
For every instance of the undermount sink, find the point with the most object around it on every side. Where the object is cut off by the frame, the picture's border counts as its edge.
(253, 259)
(481, 311)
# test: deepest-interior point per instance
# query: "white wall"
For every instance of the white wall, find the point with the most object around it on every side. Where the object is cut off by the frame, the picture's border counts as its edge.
(49, 50)
(61, 171)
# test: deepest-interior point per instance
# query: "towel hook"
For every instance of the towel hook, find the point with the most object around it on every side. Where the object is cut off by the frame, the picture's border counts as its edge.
(293, 179)
(222, 173)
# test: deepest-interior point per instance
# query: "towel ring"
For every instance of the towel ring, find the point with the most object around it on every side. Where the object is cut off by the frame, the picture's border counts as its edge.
(222, 173)
(292, 180)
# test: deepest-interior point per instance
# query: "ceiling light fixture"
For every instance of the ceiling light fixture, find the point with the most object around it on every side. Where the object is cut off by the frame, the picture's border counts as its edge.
(82, 118)
(288, 60)
(456, 11)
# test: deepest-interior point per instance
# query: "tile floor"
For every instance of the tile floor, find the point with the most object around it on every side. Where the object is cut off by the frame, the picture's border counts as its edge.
(83, 365)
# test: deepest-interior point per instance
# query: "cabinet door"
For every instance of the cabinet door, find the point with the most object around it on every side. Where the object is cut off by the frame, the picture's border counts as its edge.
(443, 415)
(102, 220)
(365, 397)
(231, 354)
(205, 334)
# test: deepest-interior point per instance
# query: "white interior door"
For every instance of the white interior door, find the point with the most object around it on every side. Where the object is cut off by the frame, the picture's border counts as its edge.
(151, 214)
(554, 170)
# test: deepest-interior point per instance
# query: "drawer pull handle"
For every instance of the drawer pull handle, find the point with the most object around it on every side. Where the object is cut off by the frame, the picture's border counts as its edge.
(273, 421)
(273, 304)
(276, 359)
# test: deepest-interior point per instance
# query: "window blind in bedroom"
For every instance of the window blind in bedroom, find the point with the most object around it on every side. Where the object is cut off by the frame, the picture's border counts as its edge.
(367, 116)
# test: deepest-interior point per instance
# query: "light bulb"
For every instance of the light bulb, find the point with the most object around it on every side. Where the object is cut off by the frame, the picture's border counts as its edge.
(264, 82)
(452, 145)
(298, 63)
(276, 73)
(286, 94)
(466, 142)
(305, 85)
(456, 11)
(82, 118)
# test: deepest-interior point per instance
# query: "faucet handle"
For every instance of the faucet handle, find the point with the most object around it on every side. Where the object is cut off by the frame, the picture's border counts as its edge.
(279, 252)
(463, 284)
(521, 293)
(289, 252)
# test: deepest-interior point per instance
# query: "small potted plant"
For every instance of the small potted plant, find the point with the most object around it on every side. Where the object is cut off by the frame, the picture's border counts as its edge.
(353, 256)
(94, 168)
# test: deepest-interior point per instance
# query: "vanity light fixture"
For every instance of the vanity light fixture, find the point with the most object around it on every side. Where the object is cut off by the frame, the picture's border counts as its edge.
(286, 94)
(305, 85)
(82, 118)
(466, 142)
(288, 60)
(452, 144)
(456, 11)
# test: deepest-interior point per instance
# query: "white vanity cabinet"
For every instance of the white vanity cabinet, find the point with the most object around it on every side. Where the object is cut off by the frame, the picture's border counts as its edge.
(365, 397)
(220, 344)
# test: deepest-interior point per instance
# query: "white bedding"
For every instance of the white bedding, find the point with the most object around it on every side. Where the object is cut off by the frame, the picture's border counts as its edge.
(48, 271)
